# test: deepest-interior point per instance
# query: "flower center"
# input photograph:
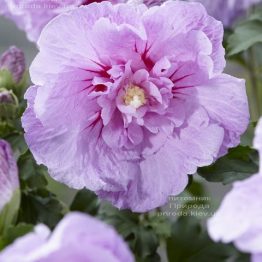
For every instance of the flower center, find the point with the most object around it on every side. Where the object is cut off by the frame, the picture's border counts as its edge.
(135, 96)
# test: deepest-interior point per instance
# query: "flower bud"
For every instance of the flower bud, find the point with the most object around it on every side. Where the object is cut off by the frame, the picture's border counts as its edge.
(7, 97)
(13, 60)
(8, 104)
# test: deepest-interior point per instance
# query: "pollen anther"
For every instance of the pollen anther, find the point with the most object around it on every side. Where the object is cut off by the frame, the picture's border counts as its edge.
(135, 96)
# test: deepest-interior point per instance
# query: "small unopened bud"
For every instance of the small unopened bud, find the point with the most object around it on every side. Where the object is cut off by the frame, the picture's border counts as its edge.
(13, 60)
(7, 97)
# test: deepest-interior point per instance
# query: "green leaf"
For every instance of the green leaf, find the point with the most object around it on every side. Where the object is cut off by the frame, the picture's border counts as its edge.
(138, 230)
(123, 220)
(18, 144)
(159, 224)
(32, 176)
(195, 188)
(40, 206)
(190, 243)
(246, 34)
(240, 163)
(145, 244)
(85, 201)
(244, 37)
(151, 258)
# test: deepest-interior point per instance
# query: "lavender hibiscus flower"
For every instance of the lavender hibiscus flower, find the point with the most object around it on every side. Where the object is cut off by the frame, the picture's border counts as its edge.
(8, 174)
(239, 217)
(227, 11)
(98, 242)
(32, 15)
(130, 100)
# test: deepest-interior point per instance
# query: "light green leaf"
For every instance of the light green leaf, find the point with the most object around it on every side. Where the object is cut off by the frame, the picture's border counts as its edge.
(245, 35)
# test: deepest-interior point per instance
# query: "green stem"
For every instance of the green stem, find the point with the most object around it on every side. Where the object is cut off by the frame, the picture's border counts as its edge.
(254, 83)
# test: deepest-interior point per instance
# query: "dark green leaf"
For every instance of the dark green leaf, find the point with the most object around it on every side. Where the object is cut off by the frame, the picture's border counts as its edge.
(196, 188)
(138, 230)
(146, 243)
(190, 243)
(240, 163)
(40, 206)
(159, 224)
(151, 258)
(18, 144)
(85, 201)
(32, 176)
(123, 220)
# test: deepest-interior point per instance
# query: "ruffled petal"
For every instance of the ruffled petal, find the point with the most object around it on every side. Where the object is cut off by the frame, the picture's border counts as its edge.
(225, 100)
(99, 242)
(239, 217)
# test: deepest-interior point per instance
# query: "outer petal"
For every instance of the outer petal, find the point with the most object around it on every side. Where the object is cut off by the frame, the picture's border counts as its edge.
(164, 172)
(61, 151)
(78, 49)
(99, 243)
(252, 239)
(224, 98)
(22, 247)
(176, 18)
(70, 152)
(257, 257)
(94, 234)
(239, 217)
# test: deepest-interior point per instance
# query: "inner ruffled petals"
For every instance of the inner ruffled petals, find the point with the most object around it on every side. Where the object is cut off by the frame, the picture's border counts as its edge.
(129, 94)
